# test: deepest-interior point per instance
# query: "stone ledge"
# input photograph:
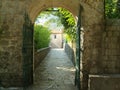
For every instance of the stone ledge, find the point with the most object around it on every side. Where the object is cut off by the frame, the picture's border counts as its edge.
(113, 22)
(40, 55)
(104, 82)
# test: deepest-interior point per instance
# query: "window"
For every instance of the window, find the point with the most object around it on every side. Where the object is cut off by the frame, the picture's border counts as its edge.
(54, 36)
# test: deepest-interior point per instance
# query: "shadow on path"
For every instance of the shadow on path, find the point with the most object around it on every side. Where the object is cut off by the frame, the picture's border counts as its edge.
(55, 72)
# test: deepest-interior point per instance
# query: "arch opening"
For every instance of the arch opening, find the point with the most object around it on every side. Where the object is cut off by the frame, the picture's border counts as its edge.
(35, 8)
(72, 47)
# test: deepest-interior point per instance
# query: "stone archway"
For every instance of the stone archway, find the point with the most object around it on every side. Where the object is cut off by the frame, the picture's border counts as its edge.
(39, 7)
(12, 19)
(92, 23)
(89, 22)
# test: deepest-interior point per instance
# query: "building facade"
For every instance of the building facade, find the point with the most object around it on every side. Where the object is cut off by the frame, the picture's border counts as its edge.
(56, 39)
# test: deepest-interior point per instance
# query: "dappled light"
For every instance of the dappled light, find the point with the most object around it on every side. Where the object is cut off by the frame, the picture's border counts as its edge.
(57, 22)
(58, 67)
(66, 69)
(55, 72)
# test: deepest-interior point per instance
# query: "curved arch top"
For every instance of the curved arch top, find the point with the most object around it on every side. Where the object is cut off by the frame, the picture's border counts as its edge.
(38, 5)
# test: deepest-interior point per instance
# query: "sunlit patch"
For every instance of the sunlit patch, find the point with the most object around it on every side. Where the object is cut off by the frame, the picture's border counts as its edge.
(66, 69)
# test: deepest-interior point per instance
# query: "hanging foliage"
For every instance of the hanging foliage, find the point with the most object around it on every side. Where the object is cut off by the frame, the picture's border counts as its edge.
(112, 8)
(65, 18)
(68, 22)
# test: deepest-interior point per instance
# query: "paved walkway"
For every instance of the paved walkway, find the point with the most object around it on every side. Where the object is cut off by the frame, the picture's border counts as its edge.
(56, 72)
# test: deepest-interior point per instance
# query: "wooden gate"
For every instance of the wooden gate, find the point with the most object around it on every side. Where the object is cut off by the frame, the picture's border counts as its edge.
(78, 50)
(27, 51)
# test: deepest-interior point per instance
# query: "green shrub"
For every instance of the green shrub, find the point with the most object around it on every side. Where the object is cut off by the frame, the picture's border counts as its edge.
(41, 37)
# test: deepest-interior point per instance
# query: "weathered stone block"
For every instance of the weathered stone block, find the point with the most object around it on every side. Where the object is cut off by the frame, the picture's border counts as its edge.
(4, 42)
(10, 79)
(104, 82)
(40, 55)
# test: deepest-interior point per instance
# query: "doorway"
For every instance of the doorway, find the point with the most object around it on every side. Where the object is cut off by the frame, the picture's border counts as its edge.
(28, 57)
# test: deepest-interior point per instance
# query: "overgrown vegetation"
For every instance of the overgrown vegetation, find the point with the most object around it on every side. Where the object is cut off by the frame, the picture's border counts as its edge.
(68, 21)
(65, 18)
(41, 37)
(112, 8)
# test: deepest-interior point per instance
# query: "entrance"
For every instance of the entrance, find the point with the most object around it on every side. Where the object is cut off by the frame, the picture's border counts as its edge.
(28, 52)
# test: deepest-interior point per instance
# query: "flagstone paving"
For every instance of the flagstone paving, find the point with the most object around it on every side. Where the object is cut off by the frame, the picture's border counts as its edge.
(56, 72)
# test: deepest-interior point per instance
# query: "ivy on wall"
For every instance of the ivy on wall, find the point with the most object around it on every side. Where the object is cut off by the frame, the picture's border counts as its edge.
(112, 8)
(69, 24)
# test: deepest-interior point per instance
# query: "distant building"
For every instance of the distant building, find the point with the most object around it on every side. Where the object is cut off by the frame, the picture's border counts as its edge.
(56, 39)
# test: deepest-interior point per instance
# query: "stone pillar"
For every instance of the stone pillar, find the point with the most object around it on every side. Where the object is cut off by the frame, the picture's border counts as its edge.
(93, 27)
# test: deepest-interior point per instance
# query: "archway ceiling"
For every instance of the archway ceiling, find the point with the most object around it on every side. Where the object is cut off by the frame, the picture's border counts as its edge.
(36, 6)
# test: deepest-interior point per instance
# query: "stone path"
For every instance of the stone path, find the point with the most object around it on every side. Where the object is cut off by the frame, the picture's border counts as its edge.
(56, 72)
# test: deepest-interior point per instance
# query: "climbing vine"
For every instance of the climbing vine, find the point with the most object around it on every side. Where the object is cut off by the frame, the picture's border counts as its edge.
(65, 18)
(68, 21)
(112, 8)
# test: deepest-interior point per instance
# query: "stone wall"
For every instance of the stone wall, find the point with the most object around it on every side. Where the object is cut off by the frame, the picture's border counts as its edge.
(104, 82)
(70, 51)
(40, 55)
(93, 28)
(11, 24)
(111, 47)
(109, 76)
